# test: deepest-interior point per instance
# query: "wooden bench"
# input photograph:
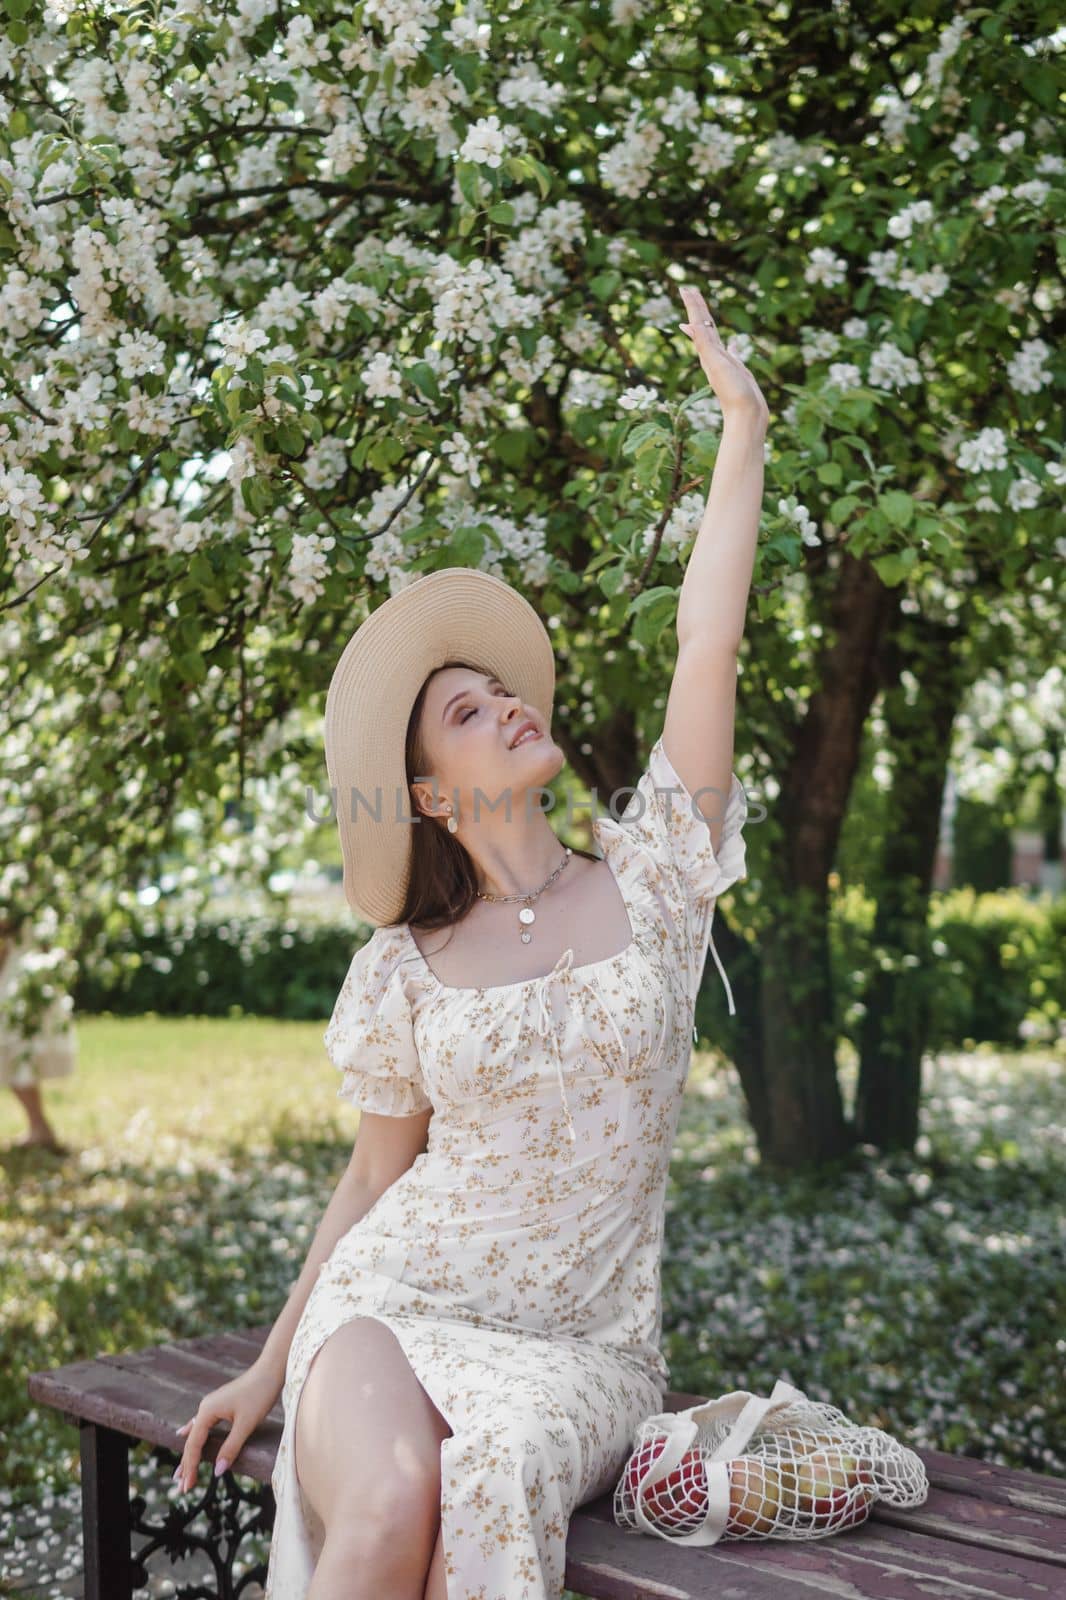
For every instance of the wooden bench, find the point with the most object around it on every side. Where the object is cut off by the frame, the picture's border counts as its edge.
(984, 1530)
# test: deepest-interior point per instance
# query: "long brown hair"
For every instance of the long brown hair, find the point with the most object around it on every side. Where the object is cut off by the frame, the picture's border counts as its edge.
(442, 887)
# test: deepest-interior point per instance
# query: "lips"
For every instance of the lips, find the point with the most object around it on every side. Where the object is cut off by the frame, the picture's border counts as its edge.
(527, 727)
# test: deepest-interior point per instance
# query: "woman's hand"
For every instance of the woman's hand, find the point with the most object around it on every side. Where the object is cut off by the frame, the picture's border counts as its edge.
(727, 375)
(244, 1402)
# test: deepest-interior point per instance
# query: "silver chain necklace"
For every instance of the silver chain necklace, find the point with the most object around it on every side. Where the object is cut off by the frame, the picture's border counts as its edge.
(527, 915)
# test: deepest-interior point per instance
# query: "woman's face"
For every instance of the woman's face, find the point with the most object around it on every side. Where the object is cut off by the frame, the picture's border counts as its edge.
(469, 724)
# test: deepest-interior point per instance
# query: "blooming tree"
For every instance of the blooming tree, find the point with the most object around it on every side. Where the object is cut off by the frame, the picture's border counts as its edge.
(299, 303)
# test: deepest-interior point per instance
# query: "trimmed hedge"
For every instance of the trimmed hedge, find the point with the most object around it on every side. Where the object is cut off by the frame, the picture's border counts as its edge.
(995, 972)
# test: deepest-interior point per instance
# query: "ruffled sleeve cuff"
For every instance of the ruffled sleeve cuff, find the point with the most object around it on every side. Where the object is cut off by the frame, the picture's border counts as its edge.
(663, 824)
(370, 1036)
(677, 820)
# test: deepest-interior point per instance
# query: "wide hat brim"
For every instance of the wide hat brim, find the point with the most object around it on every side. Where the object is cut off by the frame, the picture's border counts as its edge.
(458, 613)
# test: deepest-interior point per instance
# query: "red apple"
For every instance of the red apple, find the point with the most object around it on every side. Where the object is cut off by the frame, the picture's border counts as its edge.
(680, 1499)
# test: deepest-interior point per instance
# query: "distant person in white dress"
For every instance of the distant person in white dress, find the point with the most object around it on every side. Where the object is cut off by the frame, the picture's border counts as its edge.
(50, 1053)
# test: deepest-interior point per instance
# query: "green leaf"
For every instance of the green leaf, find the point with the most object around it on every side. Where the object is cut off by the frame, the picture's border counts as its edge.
(422, 375)
(841, 509)
(543, 177)
(612, 579)
(703, 444)
(648, 468)
(514, 446)
(468, 178)
(503, 213)
(257, 492)
(830, 472)
(645, 436)
(467, 547)
(604, 284)
(290, 438)
(897, 506)
(466, 69)
(893, 569)
(653, 611)
(385, 451)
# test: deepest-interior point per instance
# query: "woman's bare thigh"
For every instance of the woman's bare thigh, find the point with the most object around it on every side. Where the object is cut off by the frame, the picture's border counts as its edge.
(367, 1433)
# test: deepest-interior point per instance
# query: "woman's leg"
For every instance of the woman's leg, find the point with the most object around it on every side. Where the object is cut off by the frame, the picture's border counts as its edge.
(367, 1451)
(41, 1130)
(436, 1586)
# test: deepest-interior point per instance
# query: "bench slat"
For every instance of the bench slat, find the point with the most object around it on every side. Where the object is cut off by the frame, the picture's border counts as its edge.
(985, 1522)
(112, 1395)
(984, 1529)
(1010, 1486)
(873, 1562)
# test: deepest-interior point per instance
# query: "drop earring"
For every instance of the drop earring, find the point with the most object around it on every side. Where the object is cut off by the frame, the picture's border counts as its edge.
(453, 826)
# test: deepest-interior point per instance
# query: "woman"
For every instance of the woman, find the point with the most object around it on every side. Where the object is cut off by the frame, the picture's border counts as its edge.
(50, 1053)
(475, 1333)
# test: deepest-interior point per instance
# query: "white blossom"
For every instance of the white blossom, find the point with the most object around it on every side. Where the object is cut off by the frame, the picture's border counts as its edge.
(1027, 369)
(487, 142)
(987, 451)
(638, 398)
(381, 379)
(308, 564)
(825, 267)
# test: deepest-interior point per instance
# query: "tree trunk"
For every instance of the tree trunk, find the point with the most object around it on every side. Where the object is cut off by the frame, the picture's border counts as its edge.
(894, 1028)
(787, 1064)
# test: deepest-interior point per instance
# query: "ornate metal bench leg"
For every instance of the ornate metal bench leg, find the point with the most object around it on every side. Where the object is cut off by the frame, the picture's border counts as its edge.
(105, 1513)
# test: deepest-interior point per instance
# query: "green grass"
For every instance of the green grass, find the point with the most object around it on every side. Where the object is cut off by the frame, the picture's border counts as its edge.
(922, 1294)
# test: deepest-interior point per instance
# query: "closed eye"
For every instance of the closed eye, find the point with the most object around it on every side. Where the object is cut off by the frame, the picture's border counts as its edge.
(475, 709)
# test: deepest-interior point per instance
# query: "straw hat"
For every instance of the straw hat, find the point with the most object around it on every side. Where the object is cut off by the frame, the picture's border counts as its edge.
(457, 613)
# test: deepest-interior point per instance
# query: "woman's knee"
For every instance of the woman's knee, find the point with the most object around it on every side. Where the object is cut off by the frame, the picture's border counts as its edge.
(368, 1438)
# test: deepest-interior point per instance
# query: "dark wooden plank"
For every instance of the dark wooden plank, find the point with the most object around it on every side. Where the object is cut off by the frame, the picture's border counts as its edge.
(110, 1395)
(622, 1564)
(192, 1369)
(985, 1522)
(873, 1562)
(167, 1371)
(248, 1341)
(1010, 1486)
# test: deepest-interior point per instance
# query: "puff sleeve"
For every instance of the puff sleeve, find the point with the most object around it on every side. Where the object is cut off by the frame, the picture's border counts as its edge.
(370, 1036)
(663, 819)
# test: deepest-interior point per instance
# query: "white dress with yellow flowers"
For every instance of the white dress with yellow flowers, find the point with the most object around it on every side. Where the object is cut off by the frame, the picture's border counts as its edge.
(518, 1260)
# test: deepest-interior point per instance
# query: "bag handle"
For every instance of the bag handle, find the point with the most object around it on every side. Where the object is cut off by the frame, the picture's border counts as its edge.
(682, 1429)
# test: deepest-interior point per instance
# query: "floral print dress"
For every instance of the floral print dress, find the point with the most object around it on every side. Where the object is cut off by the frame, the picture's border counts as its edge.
(518, 1260)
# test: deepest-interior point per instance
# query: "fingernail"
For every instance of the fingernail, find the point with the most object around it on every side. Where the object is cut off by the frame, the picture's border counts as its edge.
(220, 1466)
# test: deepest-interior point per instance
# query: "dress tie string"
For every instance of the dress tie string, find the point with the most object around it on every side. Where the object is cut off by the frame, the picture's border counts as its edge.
(725, 980)
(566, 972)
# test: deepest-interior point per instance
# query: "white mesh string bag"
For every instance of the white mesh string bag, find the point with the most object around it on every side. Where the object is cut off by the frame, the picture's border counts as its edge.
(748, 1466)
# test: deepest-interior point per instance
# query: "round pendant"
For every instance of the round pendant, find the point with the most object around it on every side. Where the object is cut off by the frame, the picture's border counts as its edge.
(526, 937)
(527, 914)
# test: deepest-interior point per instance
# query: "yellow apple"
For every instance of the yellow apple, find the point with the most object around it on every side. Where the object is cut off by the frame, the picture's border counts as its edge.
(754, 1496)
(832, 1484)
